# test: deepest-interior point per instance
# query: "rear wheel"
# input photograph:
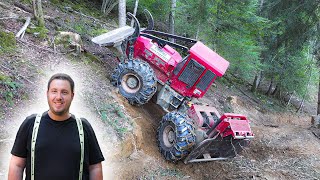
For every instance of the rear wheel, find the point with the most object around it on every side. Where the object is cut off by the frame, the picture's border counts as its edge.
(176, 136)
(136, 81)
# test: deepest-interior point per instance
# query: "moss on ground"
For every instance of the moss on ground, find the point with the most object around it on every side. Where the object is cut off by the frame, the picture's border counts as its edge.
(38, 31)
(7, 42)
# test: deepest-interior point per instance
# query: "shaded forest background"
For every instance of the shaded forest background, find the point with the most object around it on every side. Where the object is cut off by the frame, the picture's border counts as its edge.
(274, 43)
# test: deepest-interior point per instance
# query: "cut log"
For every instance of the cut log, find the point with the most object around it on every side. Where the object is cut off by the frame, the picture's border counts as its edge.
(23, 29)
(315, 121)
(23, 7)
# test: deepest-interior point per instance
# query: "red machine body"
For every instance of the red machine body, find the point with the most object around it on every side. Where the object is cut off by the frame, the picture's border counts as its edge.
(190, 76)
(207, 117)
(194, 133)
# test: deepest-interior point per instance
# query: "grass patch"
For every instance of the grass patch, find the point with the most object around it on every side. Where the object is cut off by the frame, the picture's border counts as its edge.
(38, 31)
(90, 8)
(163, 173)
(9, 90)
(82, 16)
(7, 42)
(26, 1)
(97, 32)
(114, 115)
(82, 26)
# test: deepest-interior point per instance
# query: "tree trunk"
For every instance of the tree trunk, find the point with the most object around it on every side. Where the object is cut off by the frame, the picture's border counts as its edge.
(290, 97)
(268, 93)
(108, 5)
(261, 5)
(104, 6)
(301, 106)
(38, 13)
(34, 5)
(122, 13)
(256, 82)
(318, 109)
(277, 91)
(258, 77)
(171, 18)
(135, 11)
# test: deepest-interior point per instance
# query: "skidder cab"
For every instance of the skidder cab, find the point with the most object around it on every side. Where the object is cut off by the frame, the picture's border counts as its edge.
(181, 78)
(150, 66)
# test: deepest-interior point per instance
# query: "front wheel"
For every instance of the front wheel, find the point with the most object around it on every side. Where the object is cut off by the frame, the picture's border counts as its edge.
(136, 81)
(176, 136)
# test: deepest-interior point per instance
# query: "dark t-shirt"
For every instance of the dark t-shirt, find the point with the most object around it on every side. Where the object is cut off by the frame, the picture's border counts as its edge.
(57, 154)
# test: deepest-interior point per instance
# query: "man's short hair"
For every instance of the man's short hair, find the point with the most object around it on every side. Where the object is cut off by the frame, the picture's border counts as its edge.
(62, 76)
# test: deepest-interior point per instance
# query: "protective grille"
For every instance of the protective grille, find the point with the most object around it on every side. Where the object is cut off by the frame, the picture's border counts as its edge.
(191, 73)
(205, 80)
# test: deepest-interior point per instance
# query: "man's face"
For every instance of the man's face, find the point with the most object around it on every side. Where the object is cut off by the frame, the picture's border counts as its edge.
(59, 97)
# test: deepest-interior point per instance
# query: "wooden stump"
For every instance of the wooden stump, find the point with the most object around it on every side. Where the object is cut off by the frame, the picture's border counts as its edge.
(315, 121)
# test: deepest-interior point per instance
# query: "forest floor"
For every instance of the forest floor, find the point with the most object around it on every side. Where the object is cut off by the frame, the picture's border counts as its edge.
(284, 146)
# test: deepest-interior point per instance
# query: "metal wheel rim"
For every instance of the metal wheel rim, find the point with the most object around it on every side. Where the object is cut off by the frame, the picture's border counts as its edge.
(168, 136)
(131, 83)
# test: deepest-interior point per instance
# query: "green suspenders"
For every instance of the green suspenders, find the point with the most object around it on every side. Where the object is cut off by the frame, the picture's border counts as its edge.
(33, 142)
(81, 137)
(34, 139)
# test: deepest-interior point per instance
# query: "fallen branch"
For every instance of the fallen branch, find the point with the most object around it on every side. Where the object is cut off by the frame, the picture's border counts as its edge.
(4, 5)
(23, 7)
(23, 29)
(271, 125)
(3, 18)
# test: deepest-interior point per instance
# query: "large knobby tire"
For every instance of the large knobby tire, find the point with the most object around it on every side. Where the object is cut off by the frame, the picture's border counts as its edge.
(136, 81)
(175, 136)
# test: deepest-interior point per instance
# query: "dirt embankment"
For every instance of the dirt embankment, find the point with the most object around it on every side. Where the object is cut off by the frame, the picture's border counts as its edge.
(283, 147)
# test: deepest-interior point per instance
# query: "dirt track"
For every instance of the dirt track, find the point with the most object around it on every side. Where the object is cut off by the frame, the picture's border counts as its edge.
(283, 148)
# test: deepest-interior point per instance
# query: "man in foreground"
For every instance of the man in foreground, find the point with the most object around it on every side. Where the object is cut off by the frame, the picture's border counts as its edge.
(55, 144)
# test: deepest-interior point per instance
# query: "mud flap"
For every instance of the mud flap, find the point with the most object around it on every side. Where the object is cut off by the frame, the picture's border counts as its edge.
(216, 149)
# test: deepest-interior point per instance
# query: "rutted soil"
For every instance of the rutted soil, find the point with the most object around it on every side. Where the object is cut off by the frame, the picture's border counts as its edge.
(283, 147)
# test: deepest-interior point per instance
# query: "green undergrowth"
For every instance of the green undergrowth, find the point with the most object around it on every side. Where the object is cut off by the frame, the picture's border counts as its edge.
(271, 103)
(83, 16)
(38, 31)
(89, 8)
(114, 115)
(26, 1)
(164, 173)
(10, 90)
(85, 26)
(7, 42)
(110, 112)
(86, 58)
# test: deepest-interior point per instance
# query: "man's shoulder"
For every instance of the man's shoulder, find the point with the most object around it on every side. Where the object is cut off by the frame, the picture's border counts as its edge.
(84, 121)
(86, 124)
(30, 119)
(28, 122)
